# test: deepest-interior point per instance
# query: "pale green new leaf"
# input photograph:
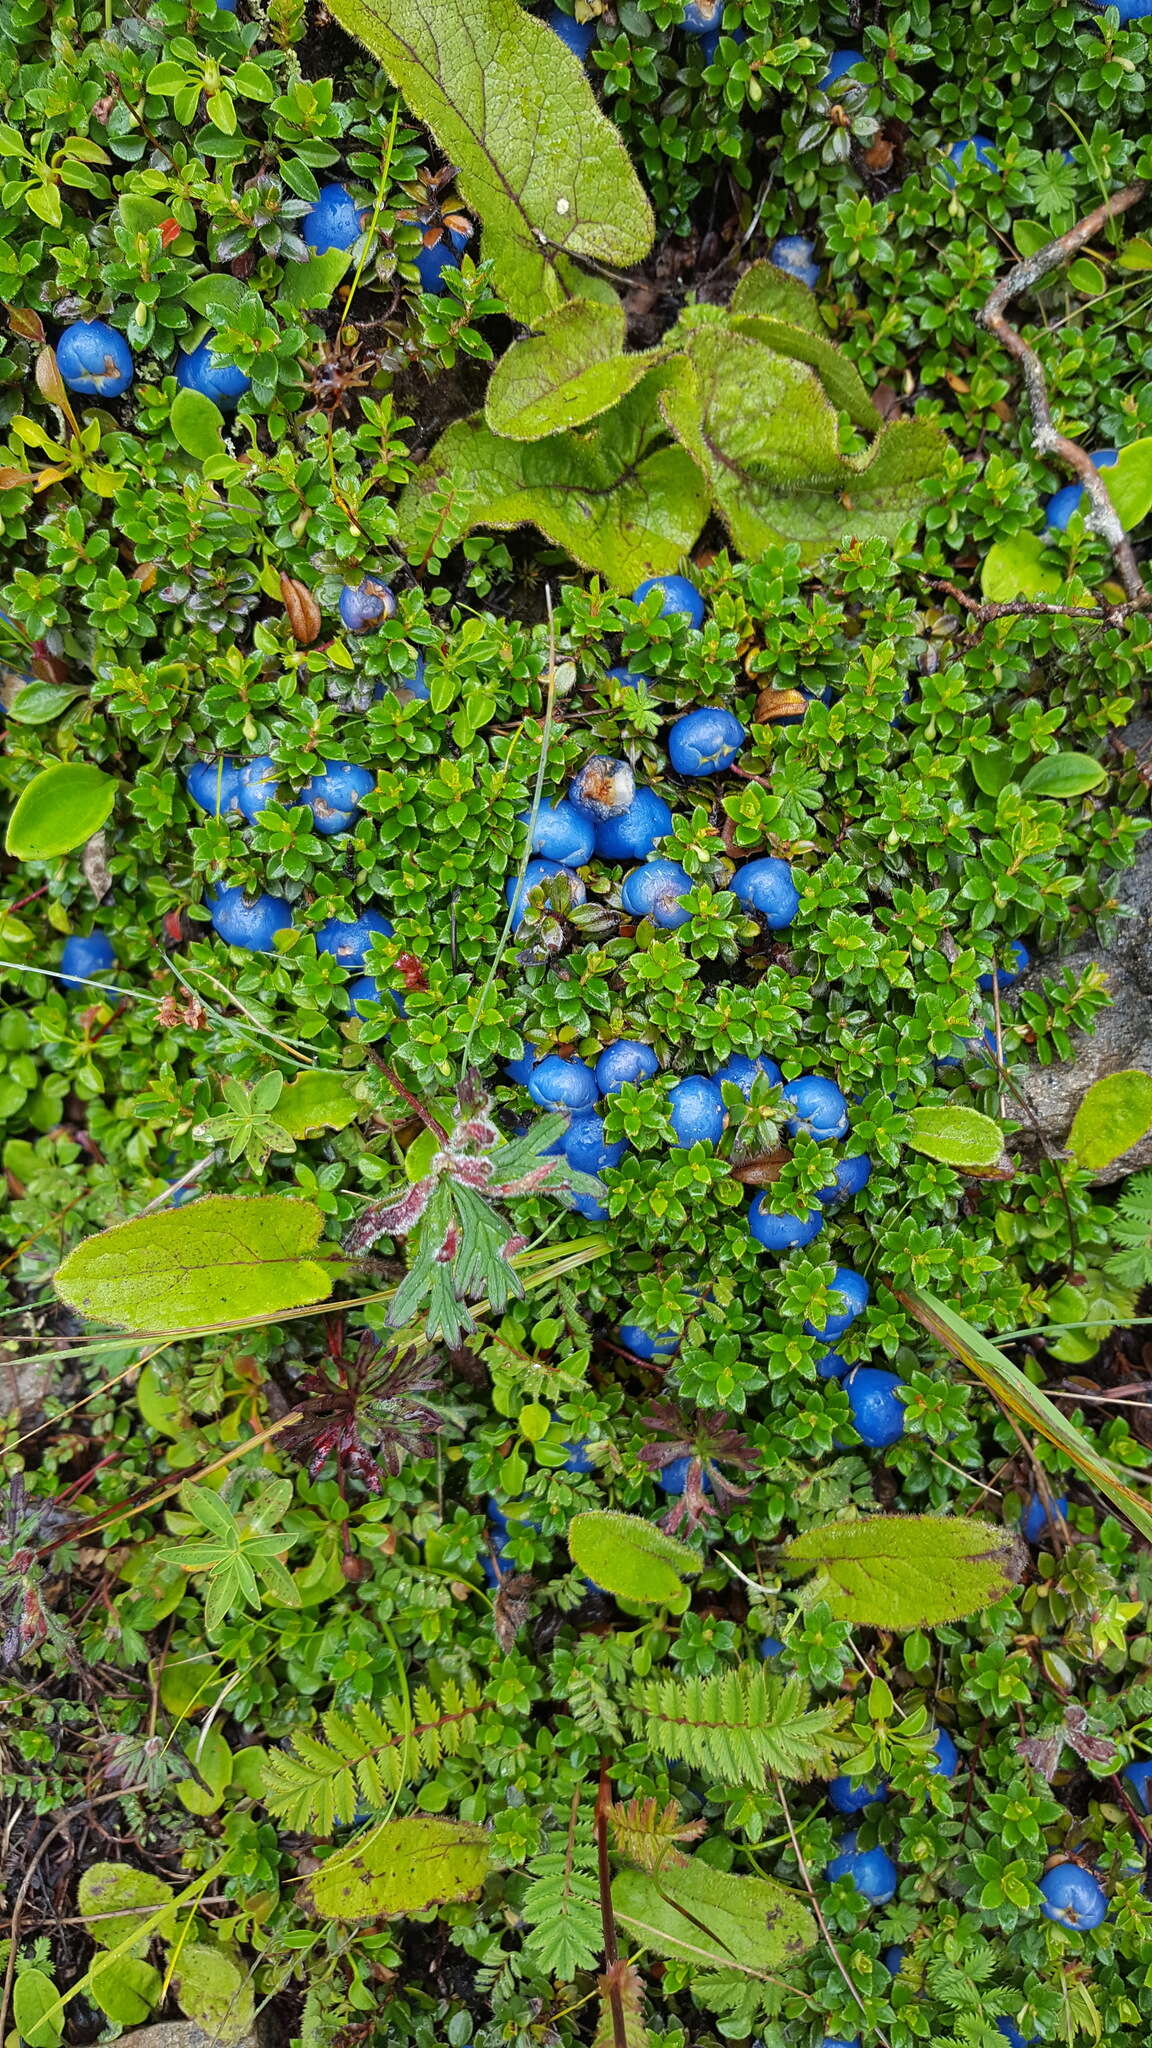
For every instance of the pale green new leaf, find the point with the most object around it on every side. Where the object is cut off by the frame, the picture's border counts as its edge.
(1094, 1306)
(631, 1557)
(214, 1991)
(571, 370)
(61, 807)
(124, 1987)
(34, 1998)
(1129, 481)
(955, 1135)
(317, 1101)
(713, 1919)
(907, 1571)
(1113, 1116)
(1017, 568)
(402, 1866)
(536, 159)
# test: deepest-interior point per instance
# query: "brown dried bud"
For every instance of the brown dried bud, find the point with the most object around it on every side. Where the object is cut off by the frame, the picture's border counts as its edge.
(355, 1569)
(302, 609)
(774, 704)
(26, 325)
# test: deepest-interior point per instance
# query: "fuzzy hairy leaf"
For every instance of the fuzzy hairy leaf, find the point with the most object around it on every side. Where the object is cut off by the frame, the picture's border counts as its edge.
(841, 380)
(511, 107)
(1114, 1115)
(908, 1571)
(766, 291)
(562, 1908)
(619, 501)
(713, 1920)
(569, 371)
(739, 1725)
(625, 1981)
(631, 1557)
(403, 1866)
(368, 1753)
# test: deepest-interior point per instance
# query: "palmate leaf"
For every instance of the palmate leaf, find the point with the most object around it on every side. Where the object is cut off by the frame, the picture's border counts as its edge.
(740, 1725)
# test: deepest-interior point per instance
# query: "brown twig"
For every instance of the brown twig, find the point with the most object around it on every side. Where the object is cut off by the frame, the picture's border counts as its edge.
(607, 1916)
(984, 611)
(1102, 517)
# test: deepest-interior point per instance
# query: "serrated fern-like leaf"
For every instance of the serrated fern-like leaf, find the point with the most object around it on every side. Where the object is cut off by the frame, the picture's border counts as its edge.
(562, 1908)
(368, 1753)
(1131, 1225)
(739, 1725)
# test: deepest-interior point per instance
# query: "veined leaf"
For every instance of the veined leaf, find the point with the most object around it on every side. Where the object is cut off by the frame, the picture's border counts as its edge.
(841, 379)
(403, 1866)
(1016, 1393)
(714, 1920)
(1113, 1116)
(60, 808)
(570, 371)
(214, 1991)
(766, 290)
(511, 107)
(1064, 775)
(907, 1571)
(954, 1135)
(631, 1557)
(110, 1893)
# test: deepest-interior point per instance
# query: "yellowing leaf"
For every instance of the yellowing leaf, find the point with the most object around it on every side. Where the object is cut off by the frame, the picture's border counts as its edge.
(403, 1866)
(630, 1557)
(907, 1571)
(215, 1991)
(61, 807)
(1113, 1116)
(714, 1920)
(109, 1893)
(954, 1135)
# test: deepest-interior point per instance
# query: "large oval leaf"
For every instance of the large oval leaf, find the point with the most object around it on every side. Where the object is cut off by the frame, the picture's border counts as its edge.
(221, 1260)
(1113, 1116)
(908, 1571)
(62, 807)
(954, 1135)
(1064, 775)
(713, 1919)
(631, 1557)
(403, 1866)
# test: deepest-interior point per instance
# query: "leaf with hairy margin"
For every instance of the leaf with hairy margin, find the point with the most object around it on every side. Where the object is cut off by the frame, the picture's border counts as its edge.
(569, 371)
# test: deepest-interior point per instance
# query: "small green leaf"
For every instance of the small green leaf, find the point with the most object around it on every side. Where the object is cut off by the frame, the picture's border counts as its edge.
(216, 297)
(222, 1259)
(1129, 482)
(630, 1557)
(110, 1893)
(767, 290)
(41, 703)
(992, 769)
(907, 1571)
(1030, 235)
(317, 1101)
(1086, 277)
(254, 83)
(1017, 568)
(954, 1135)
(196, 424)
(713, 1919)
(124, 1987)
(214, 1991)
(313, 282)
(1136, 254)
(570, 371)
(139, 212)
(1096, 1295)
(403, 1866)
(211, 1759)
(61, 808)
(1064, 775)
(1113, 1116)
(33, 1997)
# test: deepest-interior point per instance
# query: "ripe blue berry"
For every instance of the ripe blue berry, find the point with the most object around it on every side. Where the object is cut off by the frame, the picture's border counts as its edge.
(1014, 2037)
(363, 605)
(819, 1108)
(770, 1646)
(333, 796)
(877, 1410)
(702, 17)
(602, 788)
(766, 887)
(92, 357)
(214, 786)
(251, 922)
(1007, 977)
(538, 871)
(855, 1294)
(947, 1755)
(977, 147)
(363, 993)
(558, 1083)
(348, 939)
(1035, 1522)
(793, 254)
(697, 1110)
(838, 63)
(634, 834)
(838, 2041)
(744, 1072)
(626, 1059)
(705, 742)
(1132, 10)
(577, 36)
(212, 376)
(561, 833)
(782, 1233)
(1138, 1774)
(521, 1068)
(431, 263)
(82, 958)
(628, 678)
(872, 1870)
(256, 785)
(656, 890)
(642, 1344)
(587, 1149)
(335, 220)
(1073, 1897)
(852, 1795)
(1069, 499)
(678, 598)
(830, 1366)
(850, 1178)
(893, 1959)
(673, 1478)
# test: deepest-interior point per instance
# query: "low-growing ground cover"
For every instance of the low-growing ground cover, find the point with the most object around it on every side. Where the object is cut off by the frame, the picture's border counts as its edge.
(575, 1465)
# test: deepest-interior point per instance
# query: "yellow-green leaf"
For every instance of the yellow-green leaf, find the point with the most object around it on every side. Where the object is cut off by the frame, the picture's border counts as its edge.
(124, 1987)
(714, 1920)
(34, 1997)
(954, 1135)
(215, 1991)
(1064, 775)
(571, 370)
(60, 808)
(109, 1894)
(907, 1571)
(1113, 1116)
(317, 1101)
(403, 1866)
(1017, 568)
(631, 1557)
(196, 424)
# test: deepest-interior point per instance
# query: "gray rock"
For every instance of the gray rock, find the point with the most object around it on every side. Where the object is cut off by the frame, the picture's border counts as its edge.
(178, 2034)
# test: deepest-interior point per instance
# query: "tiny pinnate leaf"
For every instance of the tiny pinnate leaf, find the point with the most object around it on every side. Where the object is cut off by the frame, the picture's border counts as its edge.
(368, 1753)
(739, 1725)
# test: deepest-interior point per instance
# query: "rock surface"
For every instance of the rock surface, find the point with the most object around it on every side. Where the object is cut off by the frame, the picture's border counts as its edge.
(179, 2034)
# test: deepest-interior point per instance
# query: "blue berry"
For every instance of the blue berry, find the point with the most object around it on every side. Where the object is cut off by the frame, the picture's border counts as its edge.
(838, 2041)
(82, 958)
(947, 1755)
(838, 63)
(830, 1366)
(628, 678)
(625, 1060)
(1073, 1897)
(642, 1343)
(1069, 499)
(697, 1110)
(855, 1294)
(766, 886)
(1132, 10)
(558, 1083)
(850, 1178)
(214, 786)
(744, 1072)
(212, 376)
(587, 1149)
(335, 220)
(414, 684)
(656, 890)
(348, 939)
(537, 871)
(678, 598)
(705, 742)
(577, 36)
(819, 1108)
(673, 1478)
(1014, 2037)
(362, 992)
(1035, 1522)
(431, 263)
(793, 254)
(577, 1459)
(770, 1647)
(702, 17)
(852, 1795)
(1007, 977)
(92, 357)
(782, 1233)
(893, 1959)
(363, 605)
(251, 922)
(634, 834)
(872, 1870)
(877, 1410)
(561, 833)
(256, 785)
(602, 788)
(521, 1068)
(1138, 1774)
(333, 796)
(981, 148)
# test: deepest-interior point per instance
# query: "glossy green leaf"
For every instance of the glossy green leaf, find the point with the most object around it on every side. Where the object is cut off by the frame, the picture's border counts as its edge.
(222, 1257)
(1086, 277)
(1064, 775)
(402, 1866)
(713, 1919)
(1129, 482)
(196, 424)
(215, 1991)
(126, 1988)
(537, 160)
(34, 1998)
(570, 371)
(1113, 1116)
(631, 1557)
(1136, 254)
(60, 809)
(907, 1571)
(1016, 568)
(954, 1135)
(41, 703)
(317, 1101)
(313, 282)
